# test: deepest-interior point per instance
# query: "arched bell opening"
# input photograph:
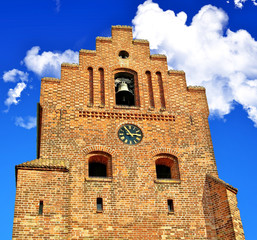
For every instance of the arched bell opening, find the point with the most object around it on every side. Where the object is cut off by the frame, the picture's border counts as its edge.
(124, 89)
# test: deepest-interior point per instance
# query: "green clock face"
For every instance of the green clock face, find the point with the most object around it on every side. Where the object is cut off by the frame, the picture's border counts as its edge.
(130, 134)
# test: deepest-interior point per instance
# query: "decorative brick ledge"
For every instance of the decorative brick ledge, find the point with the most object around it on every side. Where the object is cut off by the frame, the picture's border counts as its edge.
(141, 42)
(105, 39)
(70, 65)
(138, 116)
(158, 57)
(122, 27)
(87, 52)
(176, 72)
(196, 88)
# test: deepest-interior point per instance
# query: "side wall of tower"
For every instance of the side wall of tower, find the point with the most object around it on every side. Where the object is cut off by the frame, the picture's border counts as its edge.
(50, 187)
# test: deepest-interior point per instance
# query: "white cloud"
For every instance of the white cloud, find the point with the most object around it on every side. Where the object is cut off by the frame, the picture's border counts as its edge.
(254, 2)
(48, 63)
(14, 94)
(225, 62)
(29, 123)
(240, 3)
(252, 112)
(15, 75)
(44, 64)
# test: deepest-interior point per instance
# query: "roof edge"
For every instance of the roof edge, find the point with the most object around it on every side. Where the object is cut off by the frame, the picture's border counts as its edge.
(228, 186)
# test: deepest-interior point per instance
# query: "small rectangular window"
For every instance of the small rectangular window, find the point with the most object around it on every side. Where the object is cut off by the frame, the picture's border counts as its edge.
(191, 120)
(170, 206)
(99, 203)
(40, 210)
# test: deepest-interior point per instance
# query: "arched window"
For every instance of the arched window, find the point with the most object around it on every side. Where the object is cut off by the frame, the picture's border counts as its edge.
(99, 165)
(167, 167)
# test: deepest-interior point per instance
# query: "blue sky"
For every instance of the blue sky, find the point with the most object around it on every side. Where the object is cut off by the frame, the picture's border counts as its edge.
(213, 41)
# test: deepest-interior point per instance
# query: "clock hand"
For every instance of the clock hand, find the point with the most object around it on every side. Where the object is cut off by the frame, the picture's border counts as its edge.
(128, 132)
(136, 134)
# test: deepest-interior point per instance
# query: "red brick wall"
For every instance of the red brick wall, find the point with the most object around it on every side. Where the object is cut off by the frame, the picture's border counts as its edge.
(134, 202)
(222, 216)
(34, 186)
(235, 215)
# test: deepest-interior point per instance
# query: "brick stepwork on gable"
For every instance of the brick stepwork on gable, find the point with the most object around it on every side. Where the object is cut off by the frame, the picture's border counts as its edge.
(79, 123)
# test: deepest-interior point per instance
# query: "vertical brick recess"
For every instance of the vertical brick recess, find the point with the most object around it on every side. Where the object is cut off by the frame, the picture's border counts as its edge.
(91, 86)
(159, 76)
(79, 123)
(150, 89)
(102, 91)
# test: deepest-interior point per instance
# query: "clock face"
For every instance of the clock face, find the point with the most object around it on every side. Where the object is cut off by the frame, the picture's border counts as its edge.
(130, 134)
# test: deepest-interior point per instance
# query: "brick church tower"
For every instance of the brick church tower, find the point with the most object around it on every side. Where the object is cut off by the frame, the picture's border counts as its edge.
(124, 152)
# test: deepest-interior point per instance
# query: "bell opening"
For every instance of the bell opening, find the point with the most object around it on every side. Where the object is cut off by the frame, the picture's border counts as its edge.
(124, 89)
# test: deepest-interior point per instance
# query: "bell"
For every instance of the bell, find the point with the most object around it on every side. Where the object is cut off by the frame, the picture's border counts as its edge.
(124, 96)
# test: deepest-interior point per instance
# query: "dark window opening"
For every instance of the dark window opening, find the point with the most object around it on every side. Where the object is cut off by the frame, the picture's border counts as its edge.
(191, 120)
(97, 169)
(99, 204)
(167, 167)
(40, 210)
(124, 89)
(163, 171)
(170, 205)
(123, 54)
